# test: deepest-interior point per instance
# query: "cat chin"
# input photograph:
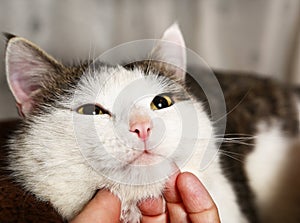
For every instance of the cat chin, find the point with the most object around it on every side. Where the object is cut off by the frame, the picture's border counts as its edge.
(144, 182)
(69, 204)
(131, 195)
(140, 174)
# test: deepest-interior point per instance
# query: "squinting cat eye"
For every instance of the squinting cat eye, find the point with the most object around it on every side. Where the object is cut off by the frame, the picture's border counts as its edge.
(160, 102)
(91, 109)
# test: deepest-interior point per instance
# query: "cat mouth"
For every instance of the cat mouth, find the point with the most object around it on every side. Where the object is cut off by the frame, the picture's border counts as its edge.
(146, 158)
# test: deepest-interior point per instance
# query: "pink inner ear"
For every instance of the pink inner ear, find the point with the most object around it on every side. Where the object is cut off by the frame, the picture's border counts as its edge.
(23, 86)
(173, 51)
(23, 92)
(26, 67)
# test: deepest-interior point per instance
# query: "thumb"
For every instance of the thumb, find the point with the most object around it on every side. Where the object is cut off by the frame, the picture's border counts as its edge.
(104, 207)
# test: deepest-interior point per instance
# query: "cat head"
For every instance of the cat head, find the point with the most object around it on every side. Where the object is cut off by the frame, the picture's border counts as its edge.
(32, 73)
(102, 123)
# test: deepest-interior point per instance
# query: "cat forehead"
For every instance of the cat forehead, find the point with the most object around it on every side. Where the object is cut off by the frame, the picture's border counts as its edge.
(109, 84)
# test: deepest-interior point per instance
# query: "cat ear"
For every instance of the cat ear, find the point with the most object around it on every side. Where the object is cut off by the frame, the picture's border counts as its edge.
(171, 49)
(26, 69)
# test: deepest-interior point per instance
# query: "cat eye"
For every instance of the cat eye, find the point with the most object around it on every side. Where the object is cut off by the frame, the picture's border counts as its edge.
(91, 109)
(160, 102)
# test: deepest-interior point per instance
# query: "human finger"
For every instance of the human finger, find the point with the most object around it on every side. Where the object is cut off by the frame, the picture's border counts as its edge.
(175, 207)
(152, 206)
(198, 204)
(104, 207)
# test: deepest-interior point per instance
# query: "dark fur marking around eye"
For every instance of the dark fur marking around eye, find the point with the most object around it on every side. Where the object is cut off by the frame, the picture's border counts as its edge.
(92, 109)
(161, 101)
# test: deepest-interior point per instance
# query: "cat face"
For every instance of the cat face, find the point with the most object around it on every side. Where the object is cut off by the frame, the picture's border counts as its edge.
(95, 125)
(134, 121)
(126, 123)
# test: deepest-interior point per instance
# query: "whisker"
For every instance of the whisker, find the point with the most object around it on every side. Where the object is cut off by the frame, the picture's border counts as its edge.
(231, 156)
(237, 138)
(238, 142)
(236, 134)
(233, 153)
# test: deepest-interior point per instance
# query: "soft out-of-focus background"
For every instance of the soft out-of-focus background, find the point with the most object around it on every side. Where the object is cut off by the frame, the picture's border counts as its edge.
(259, 35)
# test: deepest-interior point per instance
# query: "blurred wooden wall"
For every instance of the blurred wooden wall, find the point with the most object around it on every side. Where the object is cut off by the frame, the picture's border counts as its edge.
(259, 35)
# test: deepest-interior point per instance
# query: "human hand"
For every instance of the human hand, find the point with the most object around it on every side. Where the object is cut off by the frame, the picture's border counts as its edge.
(187, 200)
(104, 207)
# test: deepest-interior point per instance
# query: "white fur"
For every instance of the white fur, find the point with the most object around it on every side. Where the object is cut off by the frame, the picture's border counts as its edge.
(265, 164)
(65, 157)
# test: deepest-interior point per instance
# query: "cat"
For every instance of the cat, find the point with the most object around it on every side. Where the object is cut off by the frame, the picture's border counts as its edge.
(123, 127)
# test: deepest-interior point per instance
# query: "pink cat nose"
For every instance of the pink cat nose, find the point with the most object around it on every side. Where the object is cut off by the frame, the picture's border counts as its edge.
(142, 129)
